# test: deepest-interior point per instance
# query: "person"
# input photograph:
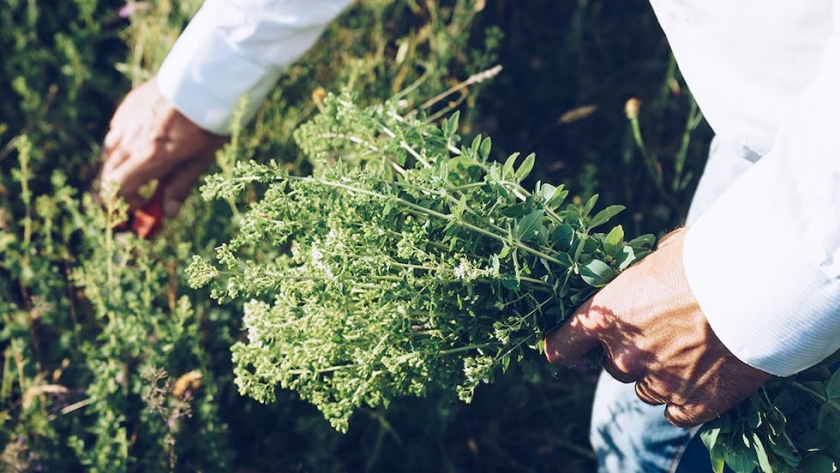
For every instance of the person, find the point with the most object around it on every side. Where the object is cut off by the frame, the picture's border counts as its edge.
(749, 289)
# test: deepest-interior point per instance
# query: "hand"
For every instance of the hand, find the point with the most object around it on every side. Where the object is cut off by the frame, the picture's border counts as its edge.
(149, 139)
(654, 334)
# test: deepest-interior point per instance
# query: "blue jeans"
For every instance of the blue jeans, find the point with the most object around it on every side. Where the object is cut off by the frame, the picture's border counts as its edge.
(629, 436)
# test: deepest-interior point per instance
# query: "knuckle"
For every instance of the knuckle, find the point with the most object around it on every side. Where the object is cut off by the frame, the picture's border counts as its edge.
(681, 416)
(648, 396)
(618, 374)
(552, 354)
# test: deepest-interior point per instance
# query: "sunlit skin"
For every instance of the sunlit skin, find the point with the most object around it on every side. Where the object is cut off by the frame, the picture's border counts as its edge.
(151, 140)
(654, 334)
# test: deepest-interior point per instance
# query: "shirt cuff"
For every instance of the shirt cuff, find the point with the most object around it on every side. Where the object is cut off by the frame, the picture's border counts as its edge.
(208, 72)
(761, 270)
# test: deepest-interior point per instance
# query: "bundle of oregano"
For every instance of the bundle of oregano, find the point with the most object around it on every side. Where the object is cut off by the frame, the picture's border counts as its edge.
(412, 263)
(408, 264)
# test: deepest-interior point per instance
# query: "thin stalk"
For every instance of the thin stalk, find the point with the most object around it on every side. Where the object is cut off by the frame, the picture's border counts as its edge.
(695, 116)
(331, 369)
(473, 79)
(462, 349)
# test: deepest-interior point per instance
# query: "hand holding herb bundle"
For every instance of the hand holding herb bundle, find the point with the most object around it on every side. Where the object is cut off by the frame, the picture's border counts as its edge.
(656, 336)
(407, 265)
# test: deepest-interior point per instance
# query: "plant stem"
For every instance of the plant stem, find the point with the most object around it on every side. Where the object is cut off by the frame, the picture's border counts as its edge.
(462, 349)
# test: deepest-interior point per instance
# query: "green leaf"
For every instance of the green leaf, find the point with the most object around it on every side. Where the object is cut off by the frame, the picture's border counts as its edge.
(784, 448)
(761, 453)
(546, 191)
(613, 241)
(596, 273)
(817, 463)
(476, 144)
(507, 170)
(452, 124)
(517, 210)
(589, 205)
(742, 460)
(833, 388)
(557, 198)
(709, 437)
(484, 149)
(526, 167)
(626, 257)
(605, 215)
(565, 260)
(718, 461)
(509, 281)
(461, 207)
(529, 226)
(506, 364)
(562, 237)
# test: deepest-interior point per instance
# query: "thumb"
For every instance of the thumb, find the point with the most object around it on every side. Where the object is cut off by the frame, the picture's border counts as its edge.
(577, 336)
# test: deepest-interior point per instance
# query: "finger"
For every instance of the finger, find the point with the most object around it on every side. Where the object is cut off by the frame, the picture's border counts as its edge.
(110, 143)
(648, 396)
(179, 185)
(620, 375)
(139, 168)
(115, 158)
(571, 341)
(689, 415)
(124, 147)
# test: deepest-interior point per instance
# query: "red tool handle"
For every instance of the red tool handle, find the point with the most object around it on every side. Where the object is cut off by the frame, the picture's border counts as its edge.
(148, 220)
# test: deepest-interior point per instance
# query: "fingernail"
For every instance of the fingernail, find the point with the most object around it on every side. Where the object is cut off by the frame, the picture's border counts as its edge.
(171, 208)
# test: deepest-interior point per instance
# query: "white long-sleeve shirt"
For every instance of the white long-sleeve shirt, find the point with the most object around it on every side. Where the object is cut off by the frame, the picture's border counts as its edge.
(763, 258)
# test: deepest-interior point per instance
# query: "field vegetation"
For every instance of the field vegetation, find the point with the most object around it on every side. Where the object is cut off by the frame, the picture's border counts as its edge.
(112, 362)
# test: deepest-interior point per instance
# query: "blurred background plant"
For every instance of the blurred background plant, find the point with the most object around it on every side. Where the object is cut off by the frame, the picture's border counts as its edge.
(111, 363)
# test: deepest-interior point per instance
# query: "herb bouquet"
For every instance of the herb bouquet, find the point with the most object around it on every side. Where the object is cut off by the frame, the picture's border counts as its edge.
(409, 264)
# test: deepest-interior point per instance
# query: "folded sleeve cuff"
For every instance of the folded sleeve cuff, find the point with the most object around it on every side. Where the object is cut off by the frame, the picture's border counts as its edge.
(220, 60)
(762, 264)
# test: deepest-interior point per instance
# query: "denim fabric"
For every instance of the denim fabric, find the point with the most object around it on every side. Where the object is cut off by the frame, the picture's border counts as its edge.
(629, 436)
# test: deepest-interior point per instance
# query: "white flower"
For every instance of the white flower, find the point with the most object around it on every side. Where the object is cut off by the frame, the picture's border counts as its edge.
(319, 263)
(461, 270)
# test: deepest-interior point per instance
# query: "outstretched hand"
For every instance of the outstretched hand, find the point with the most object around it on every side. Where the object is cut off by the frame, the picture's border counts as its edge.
(150, 139)
(654, 334)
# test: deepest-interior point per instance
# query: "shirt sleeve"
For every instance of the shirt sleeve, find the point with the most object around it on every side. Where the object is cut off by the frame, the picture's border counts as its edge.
(238, 48)
(764, 260)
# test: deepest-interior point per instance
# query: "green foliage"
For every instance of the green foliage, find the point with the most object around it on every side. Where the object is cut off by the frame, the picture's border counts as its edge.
(110, 362)
(55, 77)
(410, 265)
(790, 425)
